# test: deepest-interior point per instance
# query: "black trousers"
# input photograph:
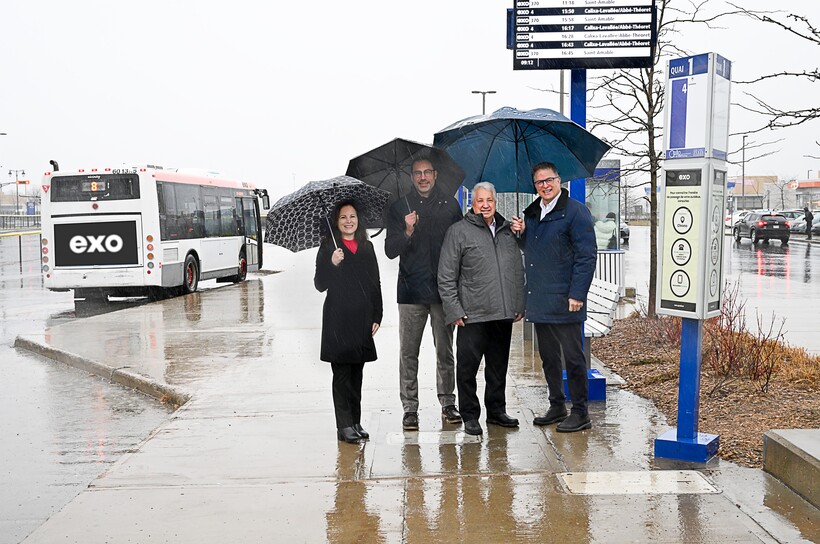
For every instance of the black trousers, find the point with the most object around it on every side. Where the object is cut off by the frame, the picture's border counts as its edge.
(490, 340)
(347, 393)
(561, 346)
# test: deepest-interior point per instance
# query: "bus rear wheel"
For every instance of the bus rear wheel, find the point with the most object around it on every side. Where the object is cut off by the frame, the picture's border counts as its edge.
(190, 275)
(243, 268)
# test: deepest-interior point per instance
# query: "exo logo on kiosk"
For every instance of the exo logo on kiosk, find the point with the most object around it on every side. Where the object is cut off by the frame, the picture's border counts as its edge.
(91, 244)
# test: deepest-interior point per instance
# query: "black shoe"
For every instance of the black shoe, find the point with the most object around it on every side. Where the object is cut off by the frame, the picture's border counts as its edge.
(450, 414)
(473, 427)
(358, 428)
(574, 423)
(502, 419)
(555, 414)
(410, 421)
(349, 435)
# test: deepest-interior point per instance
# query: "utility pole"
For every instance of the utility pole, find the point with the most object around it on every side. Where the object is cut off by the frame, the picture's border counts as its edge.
(743, 174)
(16, 174)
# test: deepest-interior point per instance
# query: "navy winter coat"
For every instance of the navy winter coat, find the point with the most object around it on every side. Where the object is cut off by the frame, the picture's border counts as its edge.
(560, 256)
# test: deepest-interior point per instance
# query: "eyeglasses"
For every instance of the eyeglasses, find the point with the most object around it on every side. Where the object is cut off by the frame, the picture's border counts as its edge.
(547, 180)
(423, 173)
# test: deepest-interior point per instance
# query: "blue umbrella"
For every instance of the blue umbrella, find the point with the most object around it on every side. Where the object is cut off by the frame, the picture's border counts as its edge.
(503, 147)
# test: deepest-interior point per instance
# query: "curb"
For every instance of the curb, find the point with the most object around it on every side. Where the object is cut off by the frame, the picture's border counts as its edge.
(158, 390)
(789, 456)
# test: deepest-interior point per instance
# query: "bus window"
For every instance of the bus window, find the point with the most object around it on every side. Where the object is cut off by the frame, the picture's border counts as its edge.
(210, 206)
(227, 212)
(189, 207)
(249, 215)
(168, 215)
(95, 187)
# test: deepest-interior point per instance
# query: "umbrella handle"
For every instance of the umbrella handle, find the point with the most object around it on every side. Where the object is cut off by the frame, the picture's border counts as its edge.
(330, 229)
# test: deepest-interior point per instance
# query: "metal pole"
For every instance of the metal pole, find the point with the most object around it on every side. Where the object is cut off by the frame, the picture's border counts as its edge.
(561, 94)
(689, 382)
(483, 99)
(578, 113)
(743, 174)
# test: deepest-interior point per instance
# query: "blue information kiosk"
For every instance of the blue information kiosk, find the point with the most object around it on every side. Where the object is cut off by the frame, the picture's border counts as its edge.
(691, 229)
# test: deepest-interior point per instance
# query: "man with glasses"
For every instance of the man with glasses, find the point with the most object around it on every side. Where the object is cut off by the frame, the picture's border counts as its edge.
(416, 225)
(558, 239)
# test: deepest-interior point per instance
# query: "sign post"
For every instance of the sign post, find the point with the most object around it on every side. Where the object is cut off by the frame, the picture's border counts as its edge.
(691, 225)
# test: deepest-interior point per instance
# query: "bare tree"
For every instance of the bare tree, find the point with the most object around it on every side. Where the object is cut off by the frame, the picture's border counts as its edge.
(778, 116)
(627, 106)
(781, 185)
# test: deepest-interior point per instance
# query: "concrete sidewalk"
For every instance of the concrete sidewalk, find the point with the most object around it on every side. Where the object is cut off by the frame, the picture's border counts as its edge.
(253, 456)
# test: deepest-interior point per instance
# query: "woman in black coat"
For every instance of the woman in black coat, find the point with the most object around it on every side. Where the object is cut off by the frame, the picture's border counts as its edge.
(351, 315)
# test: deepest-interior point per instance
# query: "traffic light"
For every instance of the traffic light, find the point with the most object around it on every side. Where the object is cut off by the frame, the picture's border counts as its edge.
(23, 182)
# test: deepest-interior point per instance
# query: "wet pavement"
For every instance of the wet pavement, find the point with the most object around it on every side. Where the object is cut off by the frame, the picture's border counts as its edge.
(60, 427)
(253, 456)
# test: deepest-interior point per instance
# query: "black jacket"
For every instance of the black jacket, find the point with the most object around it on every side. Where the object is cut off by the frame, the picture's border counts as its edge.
(419, 254)
(352, 305)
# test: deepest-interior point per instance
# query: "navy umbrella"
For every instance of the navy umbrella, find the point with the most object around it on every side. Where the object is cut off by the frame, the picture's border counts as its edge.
(300, 219)
(388, 167)
(502, 147)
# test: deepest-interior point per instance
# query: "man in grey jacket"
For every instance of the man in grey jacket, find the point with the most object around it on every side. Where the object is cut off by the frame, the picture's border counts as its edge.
(481, 283)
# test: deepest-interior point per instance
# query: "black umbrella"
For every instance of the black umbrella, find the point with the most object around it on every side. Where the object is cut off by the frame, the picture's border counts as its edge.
(299, 220)
(388, 167)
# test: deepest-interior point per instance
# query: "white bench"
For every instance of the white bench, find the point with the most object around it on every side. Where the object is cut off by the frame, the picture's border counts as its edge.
(602, 300)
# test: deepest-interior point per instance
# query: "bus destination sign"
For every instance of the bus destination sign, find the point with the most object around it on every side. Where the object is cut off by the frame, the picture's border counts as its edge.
(579, 34)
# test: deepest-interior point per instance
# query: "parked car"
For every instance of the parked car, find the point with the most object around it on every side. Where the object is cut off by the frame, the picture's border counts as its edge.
(798, 225)
(762, 226)
(791, 215)
(735, 217)
(624, 231)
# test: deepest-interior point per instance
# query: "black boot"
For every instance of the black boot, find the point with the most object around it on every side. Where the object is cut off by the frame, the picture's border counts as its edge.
(358, 428)
(349, 435)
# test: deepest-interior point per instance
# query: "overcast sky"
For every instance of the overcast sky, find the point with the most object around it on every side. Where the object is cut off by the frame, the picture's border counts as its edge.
(283, 93)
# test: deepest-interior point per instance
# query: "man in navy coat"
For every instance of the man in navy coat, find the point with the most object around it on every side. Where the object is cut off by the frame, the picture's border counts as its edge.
(558, 239)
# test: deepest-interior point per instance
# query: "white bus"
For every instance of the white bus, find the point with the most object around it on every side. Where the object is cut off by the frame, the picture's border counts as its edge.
(146, 231)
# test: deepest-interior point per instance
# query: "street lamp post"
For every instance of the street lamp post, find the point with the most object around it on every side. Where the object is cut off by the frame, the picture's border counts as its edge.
(16, 174)
(483, 99)
(743, 174)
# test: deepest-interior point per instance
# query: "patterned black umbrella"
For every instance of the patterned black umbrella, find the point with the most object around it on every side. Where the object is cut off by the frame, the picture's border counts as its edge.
(299, 220)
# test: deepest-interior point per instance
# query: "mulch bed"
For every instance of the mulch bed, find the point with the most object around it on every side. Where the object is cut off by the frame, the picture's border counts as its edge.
(739, 412)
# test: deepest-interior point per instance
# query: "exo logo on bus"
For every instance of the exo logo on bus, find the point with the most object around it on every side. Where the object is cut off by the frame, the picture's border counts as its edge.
(90, 244)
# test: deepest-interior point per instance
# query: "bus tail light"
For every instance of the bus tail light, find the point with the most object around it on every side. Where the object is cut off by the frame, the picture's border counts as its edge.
(45, 268)
(150, 247)
(45, 259)
(149, 238)
(151, 257)
(45, 250)
(150, 265)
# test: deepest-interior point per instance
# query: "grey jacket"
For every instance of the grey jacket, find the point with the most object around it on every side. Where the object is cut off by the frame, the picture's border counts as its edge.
(480, 276)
